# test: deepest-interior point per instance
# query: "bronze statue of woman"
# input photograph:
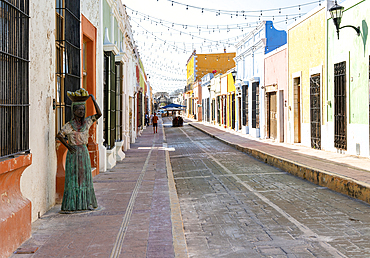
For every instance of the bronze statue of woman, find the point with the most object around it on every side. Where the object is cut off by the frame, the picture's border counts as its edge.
(78, 188)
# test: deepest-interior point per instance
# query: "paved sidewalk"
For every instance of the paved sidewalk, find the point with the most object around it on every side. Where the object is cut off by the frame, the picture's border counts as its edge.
(138, 214)
(343, 173)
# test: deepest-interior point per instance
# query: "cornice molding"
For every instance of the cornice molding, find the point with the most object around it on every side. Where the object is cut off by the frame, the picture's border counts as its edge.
(258, 45)
(110, 47)
(250, 34)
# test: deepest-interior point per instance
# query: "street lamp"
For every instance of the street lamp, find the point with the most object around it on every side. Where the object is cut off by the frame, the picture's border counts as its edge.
(336, 12)
(234, 74)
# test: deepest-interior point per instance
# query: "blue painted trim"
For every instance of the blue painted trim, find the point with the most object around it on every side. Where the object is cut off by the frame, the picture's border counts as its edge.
(274, 38)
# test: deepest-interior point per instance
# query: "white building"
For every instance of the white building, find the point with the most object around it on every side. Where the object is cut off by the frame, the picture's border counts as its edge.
(249, 60)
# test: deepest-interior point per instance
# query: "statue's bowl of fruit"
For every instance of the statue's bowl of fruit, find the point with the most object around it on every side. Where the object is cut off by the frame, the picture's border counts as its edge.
(80, 95)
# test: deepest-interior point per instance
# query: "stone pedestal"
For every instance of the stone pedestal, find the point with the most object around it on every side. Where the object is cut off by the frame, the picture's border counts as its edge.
(111, 158)
(102, 157)
(120, 155)
(15, 209)
(127, 142)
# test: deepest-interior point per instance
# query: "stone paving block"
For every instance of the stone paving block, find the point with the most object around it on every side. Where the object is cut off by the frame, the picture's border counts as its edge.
(219, 197)
(133, 251)
(94, 234)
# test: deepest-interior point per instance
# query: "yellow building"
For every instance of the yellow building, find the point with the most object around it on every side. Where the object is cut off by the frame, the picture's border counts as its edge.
(231, 111)
(306, 78)
(199, 65)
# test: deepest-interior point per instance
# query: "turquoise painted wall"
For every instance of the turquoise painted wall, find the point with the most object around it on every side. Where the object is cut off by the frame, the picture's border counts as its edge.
(116, 31)
(106, 15)
(355, 51)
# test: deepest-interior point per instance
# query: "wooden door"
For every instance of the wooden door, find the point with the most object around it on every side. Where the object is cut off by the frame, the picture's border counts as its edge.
(272, 115)
(297, 110)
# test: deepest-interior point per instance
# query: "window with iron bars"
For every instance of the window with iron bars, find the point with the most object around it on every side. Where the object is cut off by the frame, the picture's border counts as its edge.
(255, 105)
(245, 104)
(14, 73)
(68, 57)
(119, 98)
(139, 110)
(109, 115)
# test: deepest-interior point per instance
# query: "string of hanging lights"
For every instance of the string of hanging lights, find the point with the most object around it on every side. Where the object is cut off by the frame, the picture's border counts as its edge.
(186, 44)
(204, 39)
(202, 43)
(241, 13)
(155, 20)
(166, 75)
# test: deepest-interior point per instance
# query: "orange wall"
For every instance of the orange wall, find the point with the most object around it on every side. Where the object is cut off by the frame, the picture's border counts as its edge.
(15, 209)
(221, 62)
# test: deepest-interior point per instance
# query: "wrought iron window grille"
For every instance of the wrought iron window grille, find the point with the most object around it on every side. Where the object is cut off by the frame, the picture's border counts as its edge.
(340, 106)
(315, 112)
(119, 98)
(109, 115)
(255, 105)
(14, 82)
(68, 57)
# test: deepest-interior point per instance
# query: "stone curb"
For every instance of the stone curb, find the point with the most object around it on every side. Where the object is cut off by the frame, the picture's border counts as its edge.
(335, 182)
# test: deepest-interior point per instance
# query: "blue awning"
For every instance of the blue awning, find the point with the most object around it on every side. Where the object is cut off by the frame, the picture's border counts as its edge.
(173, 105)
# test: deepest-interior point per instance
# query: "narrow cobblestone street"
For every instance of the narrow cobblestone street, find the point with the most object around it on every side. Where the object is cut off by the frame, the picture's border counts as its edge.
(236, 206)
(232, 205)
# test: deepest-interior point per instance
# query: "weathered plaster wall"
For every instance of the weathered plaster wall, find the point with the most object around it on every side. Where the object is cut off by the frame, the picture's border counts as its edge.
(91, 10)
(38, 180)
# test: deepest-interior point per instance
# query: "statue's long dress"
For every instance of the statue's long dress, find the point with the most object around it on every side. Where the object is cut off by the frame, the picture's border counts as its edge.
(78, 188)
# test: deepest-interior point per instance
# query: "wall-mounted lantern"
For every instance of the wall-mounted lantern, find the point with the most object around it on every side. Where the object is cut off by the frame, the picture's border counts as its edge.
(336, 12)
(234, 74)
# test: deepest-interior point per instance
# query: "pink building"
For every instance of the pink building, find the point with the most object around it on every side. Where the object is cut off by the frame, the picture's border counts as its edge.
(276, 88)
(197, 91)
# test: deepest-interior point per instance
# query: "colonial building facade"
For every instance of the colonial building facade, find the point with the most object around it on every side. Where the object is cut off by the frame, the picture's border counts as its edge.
(64, 45)
(249, 60)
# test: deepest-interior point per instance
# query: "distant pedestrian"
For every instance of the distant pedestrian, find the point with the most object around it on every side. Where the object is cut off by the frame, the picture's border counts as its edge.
(155, 123)
(146, 119)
